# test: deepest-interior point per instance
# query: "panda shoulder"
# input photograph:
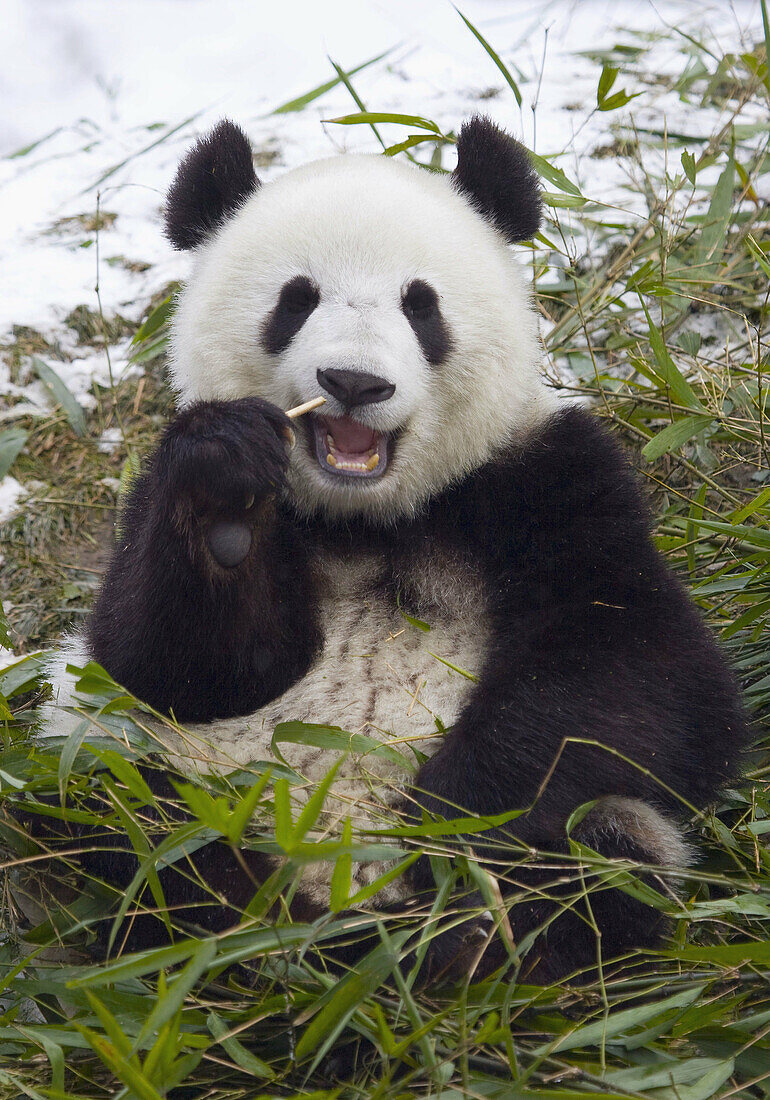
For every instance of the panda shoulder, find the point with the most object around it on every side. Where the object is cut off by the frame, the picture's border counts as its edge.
(574, 439)
(570, 466)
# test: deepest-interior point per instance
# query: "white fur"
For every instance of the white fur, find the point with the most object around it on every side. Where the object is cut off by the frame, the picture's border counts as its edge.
(647, 827)
(362, 228)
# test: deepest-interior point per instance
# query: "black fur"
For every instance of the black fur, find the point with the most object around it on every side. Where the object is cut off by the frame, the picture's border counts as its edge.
(421, 308)
(297, 300)
(592, 638)
(496, 174)
(555, 909)
(211, 184)
(185, 633)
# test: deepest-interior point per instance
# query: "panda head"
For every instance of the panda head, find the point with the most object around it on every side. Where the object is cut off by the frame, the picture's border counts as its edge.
(387, 289)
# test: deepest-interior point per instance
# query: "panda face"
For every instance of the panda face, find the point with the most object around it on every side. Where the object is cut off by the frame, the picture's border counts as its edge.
(378, 287)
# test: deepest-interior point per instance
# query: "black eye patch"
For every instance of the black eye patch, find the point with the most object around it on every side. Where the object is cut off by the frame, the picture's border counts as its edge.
(420, 306)
(297, 300)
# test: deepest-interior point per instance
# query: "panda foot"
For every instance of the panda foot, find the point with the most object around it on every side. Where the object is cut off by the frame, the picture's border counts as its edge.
(467, 949)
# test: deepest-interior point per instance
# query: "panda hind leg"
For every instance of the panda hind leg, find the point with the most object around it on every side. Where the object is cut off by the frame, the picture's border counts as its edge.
(564, 931)
(617, 828)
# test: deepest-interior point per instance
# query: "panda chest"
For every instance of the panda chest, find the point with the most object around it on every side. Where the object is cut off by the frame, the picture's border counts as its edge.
(394, 673)
(396, 684)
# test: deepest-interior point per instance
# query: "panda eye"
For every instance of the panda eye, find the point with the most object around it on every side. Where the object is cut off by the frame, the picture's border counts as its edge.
(419, 300)
(296, 301)
(298, 296)
(419, 303)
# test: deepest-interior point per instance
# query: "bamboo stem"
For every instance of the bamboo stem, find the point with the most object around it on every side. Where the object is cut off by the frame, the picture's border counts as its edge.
(307, 407)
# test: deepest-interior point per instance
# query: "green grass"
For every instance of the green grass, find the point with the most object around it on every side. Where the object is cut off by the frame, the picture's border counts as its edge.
(658, 317)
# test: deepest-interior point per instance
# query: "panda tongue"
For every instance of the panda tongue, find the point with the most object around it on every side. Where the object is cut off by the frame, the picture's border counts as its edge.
(350, 438)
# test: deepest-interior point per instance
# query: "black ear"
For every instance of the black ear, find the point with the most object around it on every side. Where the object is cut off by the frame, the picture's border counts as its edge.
(494, 171)
(213, 180)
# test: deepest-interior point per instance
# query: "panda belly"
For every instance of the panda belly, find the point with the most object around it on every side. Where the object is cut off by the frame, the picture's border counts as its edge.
(379, 676)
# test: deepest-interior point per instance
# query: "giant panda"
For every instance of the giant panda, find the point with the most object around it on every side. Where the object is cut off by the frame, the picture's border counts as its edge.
(272, 570)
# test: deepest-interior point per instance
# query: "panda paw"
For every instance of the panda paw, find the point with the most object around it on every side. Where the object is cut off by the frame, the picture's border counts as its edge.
(218, 461)
(467, 948)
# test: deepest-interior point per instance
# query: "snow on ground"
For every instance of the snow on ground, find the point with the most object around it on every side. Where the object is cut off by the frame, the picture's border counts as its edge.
(116, 92)
(102, 99)
(11, 494)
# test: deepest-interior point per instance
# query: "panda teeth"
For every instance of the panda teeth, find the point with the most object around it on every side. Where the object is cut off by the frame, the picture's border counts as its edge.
(334, 460)
(349, 465)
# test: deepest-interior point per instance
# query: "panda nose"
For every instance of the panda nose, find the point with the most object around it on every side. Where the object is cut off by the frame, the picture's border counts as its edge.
(355, 387)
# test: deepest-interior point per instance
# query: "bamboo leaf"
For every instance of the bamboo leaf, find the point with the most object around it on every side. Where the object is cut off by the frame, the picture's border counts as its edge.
(606, 80)
(491, 53)
(53, 1052)
(302, 101)
(554, 175)
(11, 445)
(375, 117)
(409, 143)
(283, 820)
(756, 536)
(354, 988)
(617, 1024)
(60, 395)
(759, 501)
(157, 318)
(239, 1054)
(334, 739)
(710, 246)
(728, 955)
(758, 253)
(342, 874)
(566, 202)
(68, 754)
(416, 622)
(674, 435)
(174, 995)
(312, 810)
(244, 811)
(668, 371)
(688, 166)
(125, 771)
(384, 880)
(129, 1072)
(670, 1074)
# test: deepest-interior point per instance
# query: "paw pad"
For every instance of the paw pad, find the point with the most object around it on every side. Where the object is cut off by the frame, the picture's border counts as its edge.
(229, 542)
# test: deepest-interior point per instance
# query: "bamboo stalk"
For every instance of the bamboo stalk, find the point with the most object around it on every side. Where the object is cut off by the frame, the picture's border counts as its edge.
(306, 407)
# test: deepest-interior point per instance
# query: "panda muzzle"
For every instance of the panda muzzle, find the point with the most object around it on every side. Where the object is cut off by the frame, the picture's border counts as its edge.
(346, 447)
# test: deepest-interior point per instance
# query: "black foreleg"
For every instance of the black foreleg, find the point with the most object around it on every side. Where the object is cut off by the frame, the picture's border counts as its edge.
(207, 607)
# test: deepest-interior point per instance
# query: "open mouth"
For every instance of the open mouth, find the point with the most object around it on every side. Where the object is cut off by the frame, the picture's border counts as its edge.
(346, 448)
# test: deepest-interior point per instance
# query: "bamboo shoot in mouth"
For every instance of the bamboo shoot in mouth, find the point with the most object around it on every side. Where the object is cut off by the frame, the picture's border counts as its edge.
(300, 410)
(306, 407)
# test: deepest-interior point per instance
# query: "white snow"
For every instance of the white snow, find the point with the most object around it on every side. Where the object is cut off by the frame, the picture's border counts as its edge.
(115, 92)
(11, 496)
(109, 441)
